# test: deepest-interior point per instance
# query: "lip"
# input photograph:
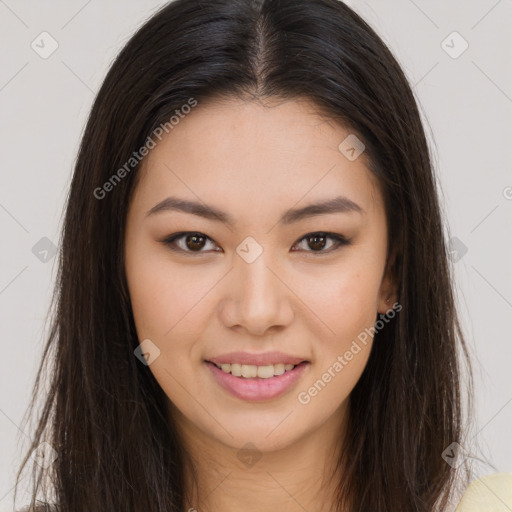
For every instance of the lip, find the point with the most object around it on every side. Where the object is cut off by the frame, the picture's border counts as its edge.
(263, 359)
(256, 389)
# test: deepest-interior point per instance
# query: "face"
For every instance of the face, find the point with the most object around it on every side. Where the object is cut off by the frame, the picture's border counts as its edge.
(228, 264)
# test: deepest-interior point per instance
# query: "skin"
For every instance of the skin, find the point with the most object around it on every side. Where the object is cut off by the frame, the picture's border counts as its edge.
(254, 161)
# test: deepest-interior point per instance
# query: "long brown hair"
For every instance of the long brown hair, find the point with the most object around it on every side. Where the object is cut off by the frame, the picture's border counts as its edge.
(104, 415)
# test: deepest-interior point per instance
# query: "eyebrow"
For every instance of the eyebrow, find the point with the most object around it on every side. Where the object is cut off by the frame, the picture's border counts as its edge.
(338, 204)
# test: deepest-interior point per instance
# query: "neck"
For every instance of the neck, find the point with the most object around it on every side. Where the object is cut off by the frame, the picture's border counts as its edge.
(302, 475)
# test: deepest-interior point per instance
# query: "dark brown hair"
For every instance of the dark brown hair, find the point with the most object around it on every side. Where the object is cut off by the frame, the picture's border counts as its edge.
(105, 413)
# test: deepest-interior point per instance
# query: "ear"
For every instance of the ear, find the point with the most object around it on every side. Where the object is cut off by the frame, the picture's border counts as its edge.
(388, 292)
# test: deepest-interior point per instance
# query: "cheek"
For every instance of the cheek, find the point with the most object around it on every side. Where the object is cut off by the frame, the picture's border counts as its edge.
(167, 309)
(163, 299)
(347, 306)
(344, 299)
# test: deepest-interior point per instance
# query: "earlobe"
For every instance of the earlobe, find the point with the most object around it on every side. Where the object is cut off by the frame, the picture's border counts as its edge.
(388, 292)
(384, 305)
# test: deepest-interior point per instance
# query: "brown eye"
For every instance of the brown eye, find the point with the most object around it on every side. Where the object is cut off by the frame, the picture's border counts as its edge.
(317, 242)
(193, 242)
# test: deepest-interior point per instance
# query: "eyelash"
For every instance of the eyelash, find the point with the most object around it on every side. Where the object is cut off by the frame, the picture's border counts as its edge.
(339, 241)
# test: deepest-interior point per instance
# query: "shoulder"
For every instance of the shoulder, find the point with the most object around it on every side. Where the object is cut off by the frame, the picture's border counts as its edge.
(489, 493)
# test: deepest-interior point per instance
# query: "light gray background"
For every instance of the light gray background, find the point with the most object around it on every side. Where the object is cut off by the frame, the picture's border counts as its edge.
(467, 102)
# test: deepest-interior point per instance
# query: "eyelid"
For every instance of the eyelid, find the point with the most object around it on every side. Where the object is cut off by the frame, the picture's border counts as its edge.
(169, 242)
(339, 239)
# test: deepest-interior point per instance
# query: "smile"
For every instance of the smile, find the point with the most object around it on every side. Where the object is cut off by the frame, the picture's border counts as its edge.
(249, 386)
(248, 371)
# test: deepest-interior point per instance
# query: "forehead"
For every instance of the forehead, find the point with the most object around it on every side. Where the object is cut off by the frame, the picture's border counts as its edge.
(254, 153)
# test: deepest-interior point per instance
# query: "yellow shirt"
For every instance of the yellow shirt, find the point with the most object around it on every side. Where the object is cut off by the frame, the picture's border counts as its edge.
(491, 493)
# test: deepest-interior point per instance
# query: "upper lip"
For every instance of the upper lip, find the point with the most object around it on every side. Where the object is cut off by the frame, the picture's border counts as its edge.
(263, 359)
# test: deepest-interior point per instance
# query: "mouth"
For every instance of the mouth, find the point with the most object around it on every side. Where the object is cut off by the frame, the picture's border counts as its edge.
(253, 383)
(249, 371)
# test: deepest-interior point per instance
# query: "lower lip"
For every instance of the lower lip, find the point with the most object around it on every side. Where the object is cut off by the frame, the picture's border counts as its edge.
(256, 389)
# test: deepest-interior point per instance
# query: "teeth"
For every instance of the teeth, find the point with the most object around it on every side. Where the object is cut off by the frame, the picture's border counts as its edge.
(250, 371)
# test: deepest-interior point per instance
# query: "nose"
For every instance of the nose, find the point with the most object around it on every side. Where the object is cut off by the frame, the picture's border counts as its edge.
(257, 298)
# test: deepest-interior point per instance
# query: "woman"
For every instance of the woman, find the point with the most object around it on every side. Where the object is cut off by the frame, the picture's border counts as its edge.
(255, 305)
